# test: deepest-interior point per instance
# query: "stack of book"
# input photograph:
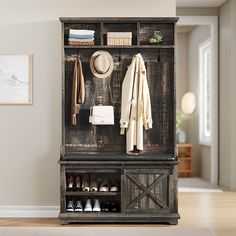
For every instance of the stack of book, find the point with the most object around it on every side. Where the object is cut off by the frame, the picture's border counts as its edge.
(81, 37)
(119, 38)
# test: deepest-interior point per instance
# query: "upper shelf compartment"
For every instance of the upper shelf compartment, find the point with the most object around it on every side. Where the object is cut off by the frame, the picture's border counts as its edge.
(140, 28)
(131, 28)
(86, 38)
(146, 31)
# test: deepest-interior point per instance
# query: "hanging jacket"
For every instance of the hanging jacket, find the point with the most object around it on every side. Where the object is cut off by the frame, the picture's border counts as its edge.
(135, 105)
(78, 90)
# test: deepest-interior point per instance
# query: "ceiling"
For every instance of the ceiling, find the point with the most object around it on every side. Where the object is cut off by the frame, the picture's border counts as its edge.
(199, 3)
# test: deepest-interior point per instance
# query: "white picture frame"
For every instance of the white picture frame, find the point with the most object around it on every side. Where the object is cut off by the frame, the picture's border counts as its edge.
(15, 79)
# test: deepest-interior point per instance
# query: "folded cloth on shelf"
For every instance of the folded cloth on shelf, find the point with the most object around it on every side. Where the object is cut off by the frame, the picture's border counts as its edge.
(81, 32)
(81, 37)
(80, 40)
(80, 43)
(76, 36)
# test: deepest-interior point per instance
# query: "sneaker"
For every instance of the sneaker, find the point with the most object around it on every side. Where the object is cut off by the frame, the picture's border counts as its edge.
(86, 183)
(114, 206)
(70, 206)
(78, 206)
(105, 206)
(96, 206)
(88, 205)
(93, 183)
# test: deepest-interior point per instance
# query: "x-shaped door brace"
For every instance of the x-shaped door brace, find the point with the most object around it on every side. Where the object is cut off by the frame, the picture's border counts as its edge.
(146, 191)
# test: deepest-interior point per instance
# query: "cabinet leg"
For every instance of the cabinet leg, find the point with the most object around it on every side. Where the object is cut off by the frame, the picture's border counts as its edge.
(64, 222)
(173, 222)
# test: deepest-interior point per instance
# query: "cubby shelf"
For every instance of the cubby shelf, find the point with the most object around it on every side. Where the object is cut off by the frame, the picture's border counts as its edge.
(120, 47)
(96, 215)
(77, 193)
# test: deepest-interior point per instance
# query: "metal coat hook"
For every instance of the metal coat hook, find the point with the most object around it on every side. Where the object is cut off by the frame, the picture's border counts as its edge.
(119, 58)
(158, 57)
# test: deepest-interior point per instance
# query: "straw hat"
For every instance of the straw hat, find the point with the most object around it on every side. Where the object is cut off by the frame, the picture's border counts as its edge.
(101, 64)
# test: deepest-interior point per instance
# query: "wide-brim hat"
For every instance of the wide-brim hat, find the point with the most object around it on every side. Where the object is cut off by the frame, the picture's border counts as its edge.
(101, 64)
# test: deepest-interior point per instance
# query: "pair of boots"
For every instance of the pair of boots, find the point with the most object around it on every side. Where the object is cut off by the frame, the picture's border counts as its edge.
(88, 183)
(74, 183)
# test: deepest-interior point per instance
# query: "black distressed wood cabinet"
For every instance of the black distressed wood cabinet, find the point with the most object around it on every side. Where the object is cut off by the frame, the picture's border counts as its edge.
(147, 182)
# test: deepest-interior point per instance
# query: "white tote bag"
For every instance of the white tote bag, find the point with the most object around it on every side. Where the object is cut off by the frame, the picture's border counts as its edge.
(102, 115)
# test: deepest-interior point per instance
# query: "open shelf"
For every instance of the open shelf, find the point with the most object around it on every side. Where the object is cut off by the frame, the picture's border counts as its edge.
(77, 193)
(120, 47)
(141, 29)
(89, 214)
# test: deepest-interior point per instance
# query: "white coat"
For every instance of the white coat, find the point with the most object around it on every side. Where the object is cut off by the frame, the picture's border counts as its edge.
(135, 105)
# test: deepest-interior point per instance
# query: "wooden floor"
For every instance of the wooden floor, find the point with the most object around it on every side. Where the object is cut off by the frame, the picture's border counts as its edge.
(216, 211)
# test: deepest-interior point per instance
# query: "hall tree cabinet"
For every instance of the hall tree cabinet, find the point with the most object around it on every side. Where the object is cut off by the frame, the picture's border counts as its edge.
(147, 183)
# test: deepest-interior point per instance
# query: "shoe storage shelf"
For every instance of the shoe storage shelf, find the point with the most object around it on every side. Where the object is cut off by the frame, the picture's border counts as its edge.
(100, 183)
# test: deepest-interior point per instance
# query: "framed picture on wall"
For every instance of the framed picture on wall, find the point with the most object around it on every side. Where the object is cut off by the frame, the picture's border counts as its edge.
(15, 79)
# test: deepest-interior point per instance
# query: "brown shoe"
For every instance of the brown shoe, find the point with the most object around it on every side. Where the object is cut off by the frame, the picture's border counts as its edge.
(70, 183)
(93, 183)
(86, 183)
(77, 183)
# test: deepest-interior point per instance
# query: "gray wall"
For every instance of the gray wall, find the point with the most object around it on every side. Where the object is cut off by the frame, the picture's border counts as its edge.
(181, 70)
(31, 135)
(227, 85)
(181, 67)
(188, 80)
(205, 162)
(196, 37)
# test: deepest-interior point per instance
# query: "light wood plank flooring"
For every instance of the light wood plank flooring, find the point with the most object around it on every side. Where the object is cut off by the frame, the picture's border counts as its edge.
(216, 211)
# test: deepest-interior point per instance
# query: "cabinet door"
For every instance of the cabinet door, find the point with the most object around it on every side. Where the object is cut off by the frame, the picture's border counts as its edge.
(146, 190)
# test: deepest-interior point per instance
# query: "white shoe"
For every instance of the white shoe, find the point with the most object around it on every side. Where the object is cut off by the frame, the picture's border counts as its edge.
(70, 206)
(78, 206)
(96, 206)
(104, 187)
(114, 187)
(88, 205)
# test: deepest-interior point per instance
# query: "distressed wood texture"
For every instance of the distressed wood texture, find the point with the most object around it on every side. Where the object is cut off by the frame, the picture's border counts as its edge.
(148, 182)
(147, 192)
(160, 74)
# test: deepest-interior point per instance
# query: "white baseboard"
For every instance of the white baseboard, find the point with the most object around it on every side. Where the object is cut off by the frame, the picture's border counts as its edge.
(29, 211)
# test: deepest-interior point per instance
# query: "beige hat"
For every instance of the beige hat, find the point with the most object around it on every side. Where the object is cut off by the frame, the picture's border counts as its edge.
(101, 64)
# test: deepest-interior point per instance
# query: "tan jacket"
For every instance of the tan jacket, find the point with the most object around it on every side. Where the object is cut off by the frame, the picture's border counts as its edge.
(78, 90)
(135, 105)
